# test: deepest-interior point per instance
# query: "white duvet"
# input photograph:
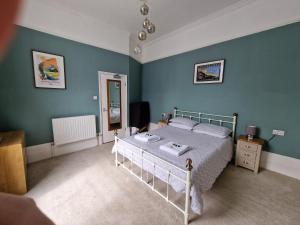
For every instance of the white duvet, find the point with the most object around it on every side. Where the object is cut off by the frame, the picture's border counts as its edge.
(209, 154)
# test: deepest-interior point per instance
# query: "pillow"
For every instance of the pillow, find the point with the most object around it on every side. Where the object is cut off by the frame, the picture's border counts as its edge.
(213, 130)
(179, 125)
(184, 121)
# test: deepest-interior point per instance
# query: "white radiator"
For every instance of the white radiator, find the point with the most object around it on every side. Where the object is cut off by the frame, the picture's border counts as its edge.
(72, 129)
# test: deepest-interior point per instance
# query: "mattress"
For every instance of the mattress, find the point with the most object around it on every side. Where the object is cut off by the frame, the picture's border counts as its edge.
(209, 154)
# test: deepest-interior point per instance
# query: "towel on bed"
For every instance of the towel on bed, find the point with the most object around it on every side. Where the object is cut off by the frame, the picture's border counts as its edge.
(146, 137)
(174, 148)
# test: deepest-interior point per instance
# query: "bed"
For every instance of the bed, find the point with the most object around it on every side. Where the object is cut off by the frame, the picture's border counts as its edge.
(191, 173)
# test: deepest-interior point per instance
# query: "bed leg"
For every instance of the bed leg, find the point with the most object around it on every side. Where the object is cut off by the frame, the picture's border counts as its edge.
(116, 159)
(116, 155)
(187, 190)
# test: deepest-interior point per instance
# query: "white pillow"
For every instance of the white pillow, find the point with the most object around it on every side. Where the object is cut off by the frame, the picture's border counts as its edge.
(184, 121)
(213, 130)
(179, 125)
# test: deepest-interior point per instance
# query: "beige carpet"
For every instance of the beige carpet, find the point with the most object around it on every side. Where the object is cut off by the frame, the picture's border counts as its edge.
(85, 188)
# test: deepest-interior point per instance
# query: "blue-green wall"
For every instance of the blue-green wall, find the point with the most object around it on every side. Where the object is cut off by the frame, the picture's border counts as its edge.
(24, 107)
(261, 83)
(135, 82)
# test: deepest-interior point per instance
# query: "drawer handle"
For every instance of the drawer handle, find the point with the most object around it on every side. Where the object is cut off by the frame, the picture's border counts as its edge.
(245, 162)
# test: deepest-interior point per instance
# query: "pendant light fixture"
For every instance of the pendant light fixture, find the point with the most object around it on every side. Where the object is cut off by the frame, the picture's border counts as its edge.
(147, 25)
(144, 9)
(142, 35)
(137, 50)
(151, 28)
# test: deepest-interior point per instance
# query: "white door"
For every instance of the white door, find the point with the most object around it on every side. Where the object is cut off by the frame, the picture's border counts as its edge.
(113, 105)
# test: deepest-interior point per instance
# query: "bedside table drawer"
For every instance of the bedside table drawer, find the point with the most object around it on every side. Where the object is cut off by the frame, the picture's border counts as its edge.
(250, 155)
(246, 162)
(248, 146)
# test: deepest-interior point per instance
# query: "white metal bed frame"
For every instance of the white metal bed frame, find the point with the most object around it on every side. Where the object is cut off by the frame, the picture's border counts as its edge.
(141, 153)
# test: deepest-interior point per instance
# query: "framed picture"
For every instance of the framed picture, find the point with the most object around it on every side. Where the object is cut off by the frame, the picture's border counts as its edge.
(49, 70)
(209, 72)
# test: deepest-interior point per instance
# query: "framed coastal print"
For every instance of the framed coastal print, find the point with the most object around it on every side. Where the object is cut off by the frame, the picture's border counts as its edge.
(209, 72)
(49, 70)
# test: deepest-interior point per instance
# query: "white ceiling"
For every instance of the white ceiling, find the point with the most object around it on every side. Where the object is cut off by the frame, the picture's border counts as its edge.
(168, 15)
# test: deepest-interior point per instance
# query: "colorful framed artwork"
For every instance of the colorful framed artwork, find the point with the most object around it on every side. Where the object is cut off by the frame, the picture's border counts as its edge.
(49, 70)
(209, 72)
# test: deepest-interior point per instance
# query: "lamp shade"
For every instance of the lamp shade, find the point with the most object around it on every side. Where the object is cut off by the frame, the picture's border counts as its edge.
(251, 130)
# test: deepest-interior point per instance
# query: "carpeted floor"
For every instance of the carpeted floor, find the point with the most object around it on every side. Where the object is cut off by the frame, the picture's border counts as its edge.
(85, 188)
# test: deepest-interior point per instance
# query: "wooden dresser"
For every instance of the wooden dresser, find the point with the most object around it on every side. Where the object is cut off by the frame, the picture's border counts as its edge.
(13, 162)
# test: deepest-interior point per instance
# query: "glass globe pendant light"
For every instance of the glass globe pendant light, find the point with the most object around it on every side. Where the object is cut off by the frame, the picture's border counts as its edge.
(144, 9)
(142, 35)
(151, 28)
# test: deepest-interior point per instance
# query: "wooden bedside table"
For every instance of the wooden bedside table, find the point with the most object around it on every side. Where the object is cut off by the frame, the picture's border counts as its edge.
(248, 153)
(162, 123)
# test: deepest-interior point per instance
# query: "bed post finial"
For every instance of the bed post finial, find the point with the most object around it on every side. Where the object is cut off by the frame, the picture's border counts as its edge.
(175, 112)
(235, 115)
(189, 165)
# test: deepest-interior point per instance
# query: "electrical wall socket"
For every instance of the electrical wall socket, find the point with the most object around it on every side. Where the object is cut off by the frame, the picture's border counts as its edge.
(278, 132)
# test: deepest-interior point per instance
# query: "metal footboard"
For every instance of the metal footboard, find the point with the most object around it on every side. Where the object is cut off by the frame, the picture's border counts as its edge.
(140, 154)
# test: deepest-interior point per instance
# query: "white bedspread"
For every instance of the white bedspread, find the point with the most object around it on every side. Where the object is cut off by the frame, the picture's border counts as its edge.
(209, 154)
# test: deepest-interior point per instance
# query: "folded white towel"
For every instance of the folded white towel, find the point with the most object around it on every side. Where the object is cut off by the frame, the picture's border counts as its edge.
(146, 137)
(174, 148)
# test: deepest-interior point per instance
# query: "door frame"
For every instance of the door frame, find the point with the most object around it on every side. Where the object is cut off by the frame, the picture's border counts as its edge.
(125, 110)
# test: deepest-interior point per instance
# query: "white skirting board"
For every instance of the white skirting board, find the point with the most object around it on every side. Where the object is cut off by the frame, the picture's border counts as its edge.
(281, 164)
(38, 152)
(74, 147)
(48, 150)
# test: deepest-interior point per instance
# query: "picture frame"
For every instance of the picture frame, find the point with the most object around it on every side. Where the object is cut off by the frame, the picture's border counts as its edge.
(48, 70)
(209, 72)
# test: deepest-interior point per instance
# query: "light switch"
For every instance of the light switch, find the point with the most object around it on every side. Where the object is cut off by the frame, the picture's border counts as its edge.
(95, 97)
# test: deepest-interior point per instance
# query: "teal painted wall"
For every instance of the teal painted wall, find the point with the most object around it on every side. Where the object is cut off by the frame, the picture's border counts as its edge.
(24, 107)
(261, 83)
(135, 84)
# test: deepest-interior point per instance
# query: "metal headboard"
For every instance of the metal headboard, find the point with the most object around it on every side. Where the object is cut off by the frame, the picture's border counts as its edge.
(200, 117)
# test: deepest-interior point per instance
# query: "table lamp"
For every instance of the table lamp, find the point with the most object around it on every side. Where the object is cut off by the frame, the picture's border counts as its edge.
(251, 131)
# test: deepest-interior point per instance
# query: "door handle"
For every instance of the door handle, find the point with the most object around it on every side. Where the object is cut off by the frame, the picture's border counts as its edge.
(104, 110)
